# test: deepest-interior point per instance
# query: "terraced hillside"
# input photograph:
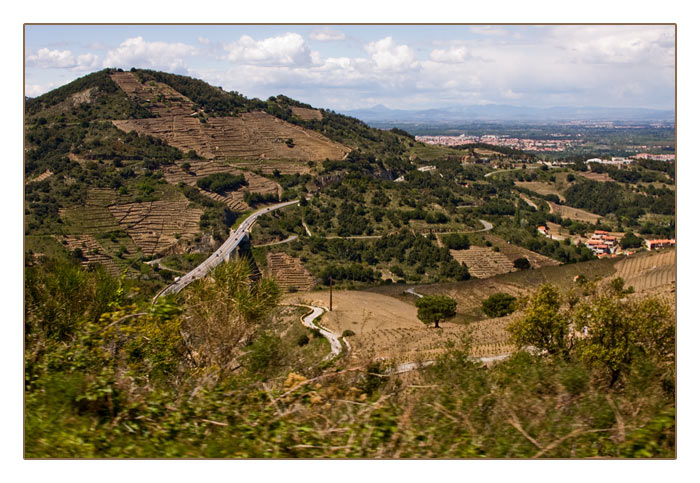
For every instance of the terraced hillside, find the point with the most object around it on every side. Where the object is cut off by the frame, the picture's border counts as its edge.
(251, 135)
(289, 272)
(94, 217)
(483, 262)
(648, 270)
(199, 169)
(157, 226)
(92, 251)
(513, 252)
(269, 166)
(160, 99)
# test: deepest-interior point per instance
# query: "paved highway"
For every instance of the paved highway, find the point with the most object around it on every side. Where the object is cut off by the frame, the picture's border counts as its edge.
(224, 250)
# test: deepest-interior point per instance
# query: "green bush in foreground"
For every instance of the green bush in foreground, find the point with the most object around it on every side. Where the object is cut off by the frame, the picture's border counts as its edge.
(126, 379)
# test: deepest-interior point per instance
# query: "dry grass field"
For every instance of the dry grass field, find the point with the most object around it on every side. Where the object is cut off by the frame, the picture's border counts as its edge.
(199, 169)
(486, 152)
(387, 328)
(573, 213)
(542, 188)
(561, 232)
(601, 177)
(289, 272)
(307, 114)
(157, 226)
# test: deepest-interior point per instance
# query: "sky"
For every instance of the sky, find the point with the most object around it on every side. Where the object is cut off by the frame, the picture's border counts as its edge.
(344, 67)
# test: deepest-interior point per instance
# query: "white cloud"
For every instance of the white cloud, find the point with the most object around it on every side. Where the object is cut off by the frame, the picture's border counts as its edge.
(61, 59)
(34, 90)
(544, 66)
(453, 55)
(287, 49)
(488, 30)
(387, 55)
(136, 52)
(326, 34)
(617, 44)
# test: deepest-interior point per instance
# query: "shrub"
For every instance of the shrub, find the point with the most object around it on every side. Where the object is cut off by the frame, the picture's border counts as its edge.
(499, 305)
(348, 333)
(302, 340)
(522, 263)
(265, 353)
(455, 241)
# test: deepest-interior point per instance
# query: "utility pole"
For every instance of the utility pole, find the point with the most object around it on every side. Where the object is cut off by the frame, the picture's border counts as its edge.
(331, 282)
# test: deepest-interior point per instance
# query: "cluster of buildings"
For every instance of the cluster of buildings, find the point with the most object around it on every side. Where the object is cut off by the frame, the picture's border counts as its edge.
(656, 157)
(602, 243)
(656, 244)
(614, 161)
(423, 169)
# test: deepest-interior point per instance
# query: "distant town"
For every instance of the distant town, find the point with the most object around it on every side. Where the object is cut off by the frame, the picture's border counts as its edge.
(527, 144)
(554, 145)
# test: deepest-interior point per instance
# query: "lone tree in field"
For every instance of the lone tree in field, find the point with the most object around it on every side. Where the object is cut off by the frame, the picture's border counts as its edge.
(434, 308)
(522, 263)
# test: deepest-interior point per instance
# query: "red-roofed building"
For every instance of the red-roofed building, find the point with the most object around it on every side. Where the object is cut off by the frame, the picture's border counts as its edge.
(602, 243)
(656, 244)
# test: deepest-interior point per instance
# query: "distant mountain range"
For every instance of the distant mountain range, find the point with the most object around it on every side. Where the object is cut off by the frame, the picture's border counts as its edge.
(497, 112)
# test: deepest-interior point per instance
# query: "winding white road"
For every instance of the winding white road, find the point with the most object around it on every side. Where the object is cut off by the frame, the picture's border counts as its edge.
(333, 338)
